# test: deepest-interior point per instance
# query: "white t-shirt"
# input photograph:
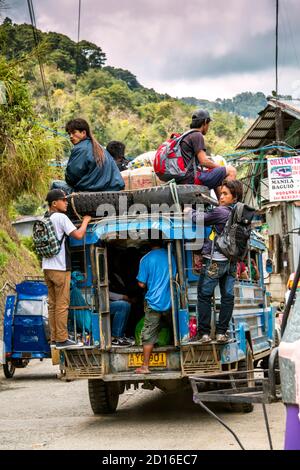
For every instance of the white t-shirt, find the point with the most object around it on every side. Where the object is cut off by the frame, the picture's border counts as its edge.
(62, 225)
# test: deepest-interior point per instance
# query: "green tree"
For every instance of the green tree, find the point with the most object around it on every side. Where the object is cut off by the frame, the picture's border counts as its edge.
(93, 54)
(95, 79)
(125, 76)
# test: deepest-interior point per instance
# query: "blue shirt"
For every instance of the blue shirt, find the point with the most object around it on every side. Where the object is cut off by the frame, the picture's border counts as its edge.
(154, 272)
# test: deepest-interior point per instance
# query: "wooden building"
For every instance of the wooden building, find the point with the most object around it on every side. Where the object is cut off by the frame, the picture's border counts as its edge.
(277, 125)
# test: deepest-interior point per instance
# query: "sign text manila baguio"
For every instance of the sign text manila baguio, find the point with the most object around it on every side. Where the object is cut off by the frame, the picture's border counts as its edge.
(284, 179)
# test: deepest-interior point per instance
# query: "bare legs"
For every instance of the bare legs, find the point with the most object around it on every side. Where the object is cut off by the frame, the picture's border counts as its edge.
(147, 350)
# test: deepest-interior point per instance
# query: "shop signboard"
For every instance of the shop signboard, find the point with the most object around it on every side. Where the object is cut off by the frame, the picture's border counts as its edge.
(284, 178)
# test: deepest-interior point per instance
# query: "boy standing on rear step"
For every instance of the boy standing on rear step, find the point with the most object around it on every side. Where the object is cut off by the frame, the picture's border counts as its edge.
(216, 269)
(154, 275)
(57, 270)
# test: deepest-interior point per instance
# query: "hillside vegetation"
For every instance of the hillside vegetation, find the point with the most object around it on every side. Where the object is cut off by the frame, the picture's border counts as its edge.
(117, 106)
(244, 104)
(78, 84)
(25, 149)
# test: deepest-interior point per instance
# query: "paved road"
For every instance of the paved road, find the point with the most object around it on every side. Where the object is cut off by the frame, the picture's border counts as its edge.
(38, 411)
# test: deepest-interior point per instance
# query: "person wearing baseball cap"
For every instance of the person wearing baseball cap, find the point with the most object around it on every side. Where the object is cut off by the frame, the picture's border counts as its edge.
(57, 269)
(203, 171)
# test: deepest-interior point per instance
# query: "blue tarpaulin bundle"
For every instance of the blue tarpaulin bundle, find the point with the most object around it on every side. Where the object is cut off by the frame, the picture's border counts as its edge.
(83, 317)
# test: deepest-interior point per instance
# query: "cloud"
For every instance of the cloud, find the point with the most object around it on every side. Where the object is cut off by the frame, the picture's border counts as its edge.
(179, 41)
(229, 85)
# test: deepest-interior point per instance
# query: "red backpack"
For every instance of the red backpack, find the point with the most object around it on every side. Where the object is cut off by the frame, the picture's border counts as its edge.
(168, 161)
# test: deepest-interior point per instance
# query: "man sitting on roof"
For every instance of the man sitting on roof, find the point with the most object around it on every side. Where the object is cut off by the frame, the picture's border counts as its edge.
(203, 171)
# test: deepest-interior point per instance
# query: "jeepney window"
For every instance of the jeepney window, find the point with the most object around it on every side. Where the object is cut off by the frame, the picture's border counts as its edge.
(101, 260)
(32, 307)
(247, 270)
(253, 268)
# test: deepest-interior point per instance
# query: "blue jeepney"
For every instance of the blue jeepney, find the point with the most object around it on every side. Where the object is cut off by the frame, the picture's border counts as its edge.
(120, 242)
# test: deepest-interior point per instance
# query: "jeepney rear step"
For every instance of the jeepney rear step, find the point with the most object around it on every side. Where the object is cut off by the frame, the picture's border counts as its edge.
(202, 359)
(83, 363)
(132, 377)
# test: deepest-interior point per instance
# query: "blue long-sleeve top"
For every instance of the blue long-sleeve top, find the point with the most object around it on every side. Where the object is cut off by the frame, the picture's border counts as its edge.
(83, 173)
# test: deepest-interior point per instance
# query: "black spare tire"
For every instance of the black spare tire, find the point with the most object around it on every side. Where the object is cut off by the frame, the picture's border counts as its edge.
(96, 204)
(187, 194)
(99, 204)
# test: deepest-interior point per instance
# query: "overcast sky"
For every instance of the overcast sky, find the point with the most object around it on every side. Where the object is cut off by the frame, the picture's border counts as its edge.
(202, 48)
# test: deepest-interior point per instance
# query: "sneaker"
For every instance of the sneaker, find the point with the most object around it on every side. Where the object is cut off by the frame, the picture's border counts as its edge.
(130, 339)
(68, 344)
(52, 344)
(205, 339)
(195, 339)
(120, 342)
(222, 338)
(200, 339)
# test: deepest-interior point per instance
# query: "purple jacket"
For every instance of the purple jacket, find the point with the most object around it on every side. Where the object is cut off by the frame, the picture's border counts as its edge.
(217, 218)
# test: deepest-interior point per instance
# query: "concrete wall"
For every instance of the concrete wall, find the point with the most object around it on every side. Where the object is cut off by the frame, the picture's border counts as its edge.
(24, 229)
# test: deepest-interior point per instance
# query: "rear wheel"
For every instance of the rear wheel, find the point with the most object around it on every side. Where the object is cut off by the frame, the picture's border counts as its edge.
(243, 365)
(265, 361)
(9, 369)
(104, 396)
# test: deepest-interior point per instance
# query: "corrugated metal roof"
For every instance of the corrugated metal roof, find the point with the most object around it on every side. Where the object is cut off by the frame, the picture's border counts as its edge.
(262, 132)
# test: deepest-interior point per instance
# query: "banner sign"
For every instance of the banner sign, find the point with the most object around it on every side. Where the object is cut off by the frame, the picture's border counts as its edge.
(284, 179)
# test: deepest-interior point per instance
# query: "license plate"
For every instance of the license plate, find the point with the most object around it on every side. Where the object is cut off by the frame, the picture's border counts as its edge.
(156, 359)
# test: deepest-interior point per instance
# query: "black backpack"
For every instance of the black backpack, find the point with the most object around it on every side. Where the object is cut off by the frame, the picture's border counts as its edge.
(233, 241)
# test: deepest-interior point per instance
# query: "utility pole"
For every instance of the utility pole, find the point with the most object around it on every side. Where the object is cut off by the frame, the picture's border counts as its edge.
(279, 130)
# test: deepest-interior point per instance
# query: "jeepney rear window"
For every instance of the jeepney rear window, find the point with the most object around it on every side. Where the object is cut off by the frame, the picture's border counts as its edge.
(32, 307)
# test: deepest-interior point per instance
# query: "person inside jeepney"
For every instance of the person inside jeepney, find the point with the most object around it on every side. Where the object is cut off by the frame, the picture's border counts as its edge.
(119, 306)
(154, 276)
(201, 169)
(216, 269)
(119, 303)
(255, 276)
(90, 167)
(242, 271)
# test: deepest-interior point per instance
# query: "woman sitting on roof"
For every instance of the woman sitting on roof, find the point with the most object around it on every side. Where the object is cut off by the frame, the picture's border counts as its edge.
(90, 166)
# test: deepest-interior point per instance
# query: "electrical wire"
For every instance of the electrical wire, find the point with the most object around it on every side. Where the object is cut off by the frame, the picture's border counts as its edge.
(276, 48)
(77, 50)
(287, 148)
(36, 41)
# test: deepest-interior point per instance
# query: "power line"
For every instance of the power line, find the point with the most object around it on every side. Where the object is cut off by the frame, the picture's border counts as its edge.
(36, 41)
(77, 47)
(276, 48)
